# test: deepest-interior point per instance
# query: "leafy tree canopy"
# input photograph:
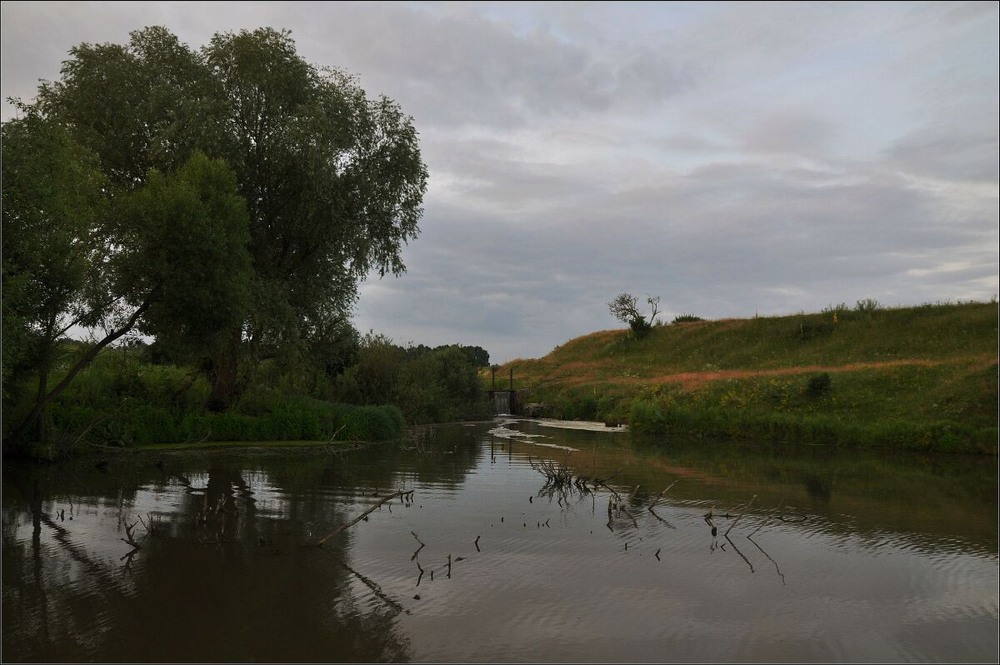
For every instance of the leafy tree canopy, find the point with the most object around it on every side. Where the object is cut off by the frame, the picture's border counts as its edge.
(333, 181)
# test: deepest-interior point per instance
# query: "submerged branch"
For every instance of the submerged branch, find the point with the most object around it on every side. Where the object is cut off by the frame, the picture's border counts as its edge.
(376, 589)
(362, 516)
(740, 553)
(745, 508)
(780, 574)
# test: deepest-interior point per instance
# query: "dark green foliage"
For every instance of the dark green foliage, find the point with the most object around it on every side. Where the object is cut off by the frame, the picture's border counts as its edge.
(428, 385)
(818, 385)
(811, 329)
(193, 227)
(262, 416)
(331, 184)
(625, 308)
(582, 407)
(868, 306)
(51, 258)
(640, 327)
(687, 318)
(646, 416)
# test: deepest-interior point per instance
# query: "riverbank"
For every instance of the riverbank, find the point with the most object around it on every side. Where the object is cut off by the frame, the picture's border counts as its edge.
(922, 378)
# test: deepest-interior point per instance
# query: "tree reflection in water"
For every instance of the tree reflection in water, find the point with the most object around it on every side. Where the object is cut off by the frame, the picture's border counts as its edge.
(216, 580)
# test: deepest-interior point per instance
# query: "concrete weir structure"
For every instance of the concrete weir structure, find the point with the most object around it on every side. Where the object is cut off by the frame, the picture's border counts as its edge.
(505, 402)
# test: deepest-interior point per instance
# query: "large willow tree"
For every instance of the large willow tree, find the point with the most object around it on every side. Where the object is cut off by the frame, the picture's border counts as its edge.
(332, 181)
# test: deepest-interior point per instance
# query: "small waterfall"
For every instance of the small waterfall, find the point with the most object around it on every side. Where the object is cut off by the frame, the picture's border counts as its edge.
(501, 402)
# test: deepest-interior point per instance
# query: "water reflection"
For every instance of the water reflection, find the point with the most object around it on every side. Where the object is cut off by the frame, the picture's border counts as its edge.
(220, 577)
(510, 541)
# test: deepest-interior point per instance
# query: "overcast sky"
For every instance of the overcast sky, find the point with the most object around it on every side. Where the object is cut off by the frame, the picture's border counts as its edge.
(730, 158)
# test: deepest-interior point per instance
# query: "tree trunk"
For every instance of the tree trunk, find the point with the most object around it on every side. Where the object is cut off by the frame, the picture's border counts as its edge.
(223, 372)
(36, 412)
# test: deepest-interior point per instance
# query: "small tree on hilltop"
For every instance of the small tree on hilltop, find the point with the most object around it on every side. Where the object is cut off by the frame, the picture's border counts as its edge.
(625, 308)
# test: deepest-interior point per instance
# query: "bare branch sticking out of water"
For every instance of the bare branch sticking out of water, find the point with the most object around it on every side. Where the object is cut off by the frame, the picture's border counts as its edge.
(477, 544)
(128, 539)
(603, 483)
(745, 508)
(740, 553)
(662, 494)
(657, 500)
(419, 548)
(416, 552)
(764, 523)
(361, 516)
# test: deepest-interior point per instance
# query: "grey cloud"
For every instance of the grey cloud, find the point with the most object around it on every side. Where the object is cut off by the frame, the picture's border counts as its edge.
(949, 152)
(731, 158)
(467, 69)
(790, 133)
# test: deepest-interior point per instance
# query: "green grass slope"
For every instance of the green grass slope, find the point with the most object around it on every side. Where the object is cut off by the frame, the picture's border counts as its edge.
(919, 378)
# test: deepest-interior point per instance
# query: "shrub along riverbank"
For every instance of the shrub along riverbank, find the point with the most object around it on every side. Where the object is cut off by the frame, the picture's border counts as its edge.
(922, 378)
(128, 397)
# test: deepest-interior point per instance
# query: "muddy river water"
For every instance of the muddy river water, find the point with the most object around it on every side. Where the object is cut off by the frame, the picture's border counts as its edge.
(505, 541)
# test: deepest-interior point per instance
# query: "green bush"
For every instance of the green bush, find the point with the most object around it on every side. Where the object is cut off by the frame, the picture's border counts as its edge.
(818, 385)
(646, 417)
(640, 327)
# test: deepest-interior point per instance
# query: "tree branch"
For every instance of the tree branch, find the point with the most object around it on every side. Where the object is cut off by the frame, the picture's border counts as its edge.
(82, 363)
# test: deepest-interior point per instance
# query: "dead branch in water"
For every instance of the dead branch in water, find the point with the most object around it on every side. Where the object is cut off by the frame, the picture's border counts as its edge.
(128, 539)
(657, 500)
(653, 513)
(362, 516)
(745, 508)
(661, 494)
(740, 553)
(376, 589)
(780, 574)
(418, 549)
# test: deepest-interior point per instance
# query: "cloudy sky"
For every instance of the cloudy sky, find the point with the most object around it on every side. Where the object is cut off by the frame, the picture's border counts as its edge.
(730, 158)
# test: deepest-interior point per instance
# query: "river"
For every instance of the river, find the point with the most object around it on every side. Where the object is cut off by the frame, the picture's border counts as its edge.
(506, 541)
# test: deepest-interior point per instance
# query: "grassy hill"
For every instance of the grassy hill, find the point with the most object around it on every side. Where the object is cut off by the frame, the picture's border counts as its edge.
(919, 377)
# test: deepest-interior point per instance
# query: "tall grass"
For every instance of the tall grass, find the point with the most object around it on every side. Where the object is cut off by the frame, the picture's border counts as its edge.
(919, 377)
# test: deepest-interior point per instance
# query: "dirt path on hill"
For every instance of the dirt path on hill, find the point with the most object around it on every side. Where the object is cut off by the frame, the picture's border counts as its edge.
(694, 379)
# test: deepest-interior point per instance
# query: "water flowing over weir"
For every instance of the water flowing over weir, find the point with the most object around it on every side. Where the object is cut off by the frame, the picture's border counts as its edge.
(504, 401)
(501, 402)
